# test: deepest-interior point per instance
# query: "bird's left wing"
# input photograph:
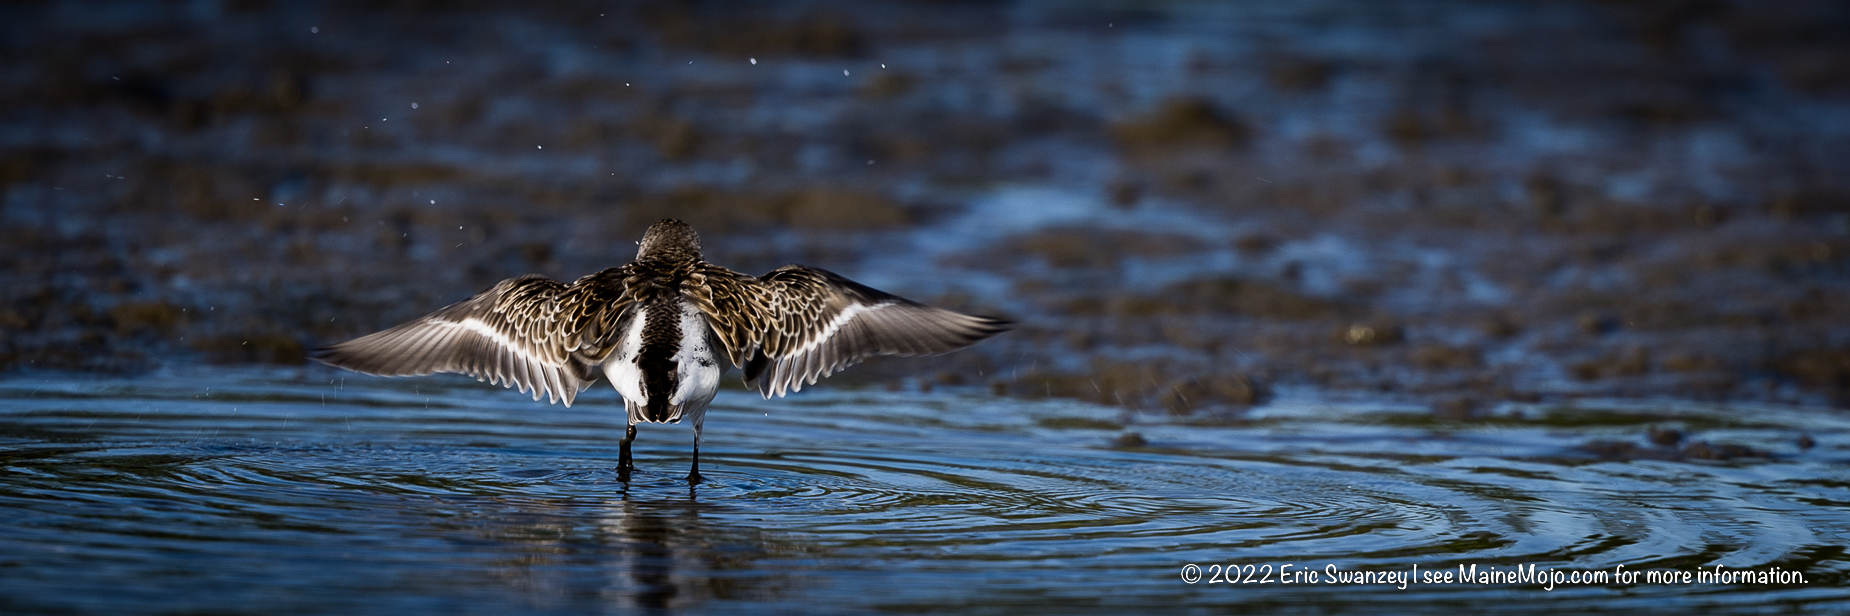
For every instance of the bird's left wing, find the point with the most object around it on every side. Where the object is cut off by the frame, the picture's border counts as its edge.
(531, 332)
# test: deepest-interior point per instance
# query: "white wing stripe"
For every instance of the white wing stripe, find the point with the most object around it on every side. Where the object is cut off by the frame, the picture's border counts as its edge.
(476, 325)
(519, 367)
(508, 335)
(835, 324)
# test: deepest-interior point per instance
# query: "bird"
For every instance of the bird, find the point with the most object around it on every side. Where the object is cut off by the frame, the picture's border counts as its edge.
(664, 328)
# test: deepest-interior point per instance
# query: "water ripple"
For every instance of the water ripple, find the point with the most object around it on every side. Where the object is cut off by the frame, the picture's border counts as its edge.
(449, 496)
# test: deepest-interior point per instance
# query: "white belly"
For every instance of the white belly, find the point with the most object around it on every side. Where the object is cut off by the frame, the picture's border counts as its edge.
(698, 368)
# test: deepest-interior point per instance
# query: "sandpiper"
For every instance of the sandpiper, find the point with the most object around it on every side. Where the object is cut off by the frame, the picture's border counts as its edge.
(662, 328)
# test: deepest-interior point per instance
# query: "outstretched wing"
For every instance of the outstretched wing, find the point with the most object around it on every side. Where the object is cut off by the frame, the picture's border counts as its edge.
(530, 332)
(797, 324)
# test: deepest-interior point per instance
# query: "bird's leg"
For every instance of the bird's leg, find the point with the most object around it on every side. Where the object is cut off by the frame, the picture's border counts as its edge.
(693, 474)
(623, 455)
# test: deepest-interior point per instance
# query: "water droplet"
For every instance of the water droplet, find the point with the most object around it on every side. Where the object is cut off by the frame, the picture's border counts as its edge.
(539, 147)
(844, 72)
(433, 201)
(414, 105)
(314, 29)
(754, 60)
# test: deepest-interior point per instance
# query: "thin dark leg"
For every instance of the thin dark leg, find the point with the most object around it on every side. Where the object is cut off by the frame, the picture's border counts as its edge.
(693, 474)
(623, 455)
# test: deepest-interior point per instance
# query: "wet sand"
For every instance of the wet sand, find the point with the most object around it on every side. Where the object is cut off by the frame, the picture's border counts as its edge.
(1185, 205)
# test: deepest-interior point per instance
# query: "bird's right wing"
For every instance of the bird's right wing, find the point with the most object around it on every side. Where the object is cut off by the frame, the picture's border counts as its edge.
(796, 324)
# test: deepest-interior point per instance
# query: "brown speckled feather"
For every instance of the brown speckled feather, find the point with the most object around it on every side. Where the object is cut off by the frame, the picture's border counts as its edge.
(796, 324)
(786, 328)
(657, 327)
(530, 332)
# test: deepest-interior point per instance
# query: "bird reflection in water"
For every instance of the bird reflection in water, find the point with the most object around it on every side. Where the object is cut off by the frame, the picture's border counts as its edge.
(633, 553)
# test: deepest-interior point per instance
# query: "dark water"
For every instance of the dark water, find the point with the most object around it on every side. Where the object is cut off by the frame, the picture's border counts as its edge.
(280, 492)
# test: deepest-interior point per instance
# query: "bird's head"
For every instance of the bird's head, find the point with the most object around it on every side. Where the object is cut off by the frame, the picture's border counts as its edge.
(668, 240)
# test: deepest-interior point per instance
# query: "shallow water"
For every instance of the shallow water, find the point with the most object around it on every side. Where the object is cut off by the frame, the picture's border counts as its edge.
(317, 492)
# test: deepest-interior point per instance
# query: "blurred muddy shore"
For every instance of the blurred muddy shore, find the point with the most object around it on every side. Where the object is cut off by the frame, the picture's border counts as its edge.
(1186, 205)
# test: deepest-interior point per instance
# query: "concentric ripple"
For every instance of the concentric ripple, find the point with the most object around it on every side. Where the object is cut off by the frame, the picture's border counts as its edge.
(313, 492)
